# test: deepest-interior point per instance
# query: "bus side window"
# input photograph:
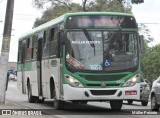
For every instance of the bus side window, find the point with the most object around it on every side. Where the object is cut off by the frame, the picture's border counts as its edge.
(29, 49)
(24, 51)
(20, 52)
(46, 44)
(53, 43)
(34, 46)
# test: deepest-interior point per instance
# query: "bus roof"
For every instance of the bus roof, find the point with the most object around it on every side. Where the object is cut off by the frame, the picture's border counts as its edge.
(63, 18)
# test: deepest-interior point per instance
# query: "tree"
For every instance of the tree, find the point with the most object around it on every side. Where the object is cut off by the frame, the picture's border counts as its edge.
(42, 3)
(151, 63)
(109, 6)
(53, 12)
(59, 7)
(144, 30)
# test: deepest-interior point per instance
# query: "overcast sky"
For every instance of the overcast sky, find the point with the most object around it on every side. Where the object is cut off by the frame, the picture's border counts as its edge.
(25, 14)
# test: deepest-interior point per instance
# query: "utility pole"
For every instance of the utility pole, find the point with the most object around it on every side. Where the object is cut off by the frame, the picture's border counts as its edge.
(5, 49)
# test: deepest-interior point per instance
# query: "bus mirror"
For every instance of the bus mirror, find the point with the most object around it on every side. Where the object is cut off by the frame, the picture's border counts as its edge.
(142, 45)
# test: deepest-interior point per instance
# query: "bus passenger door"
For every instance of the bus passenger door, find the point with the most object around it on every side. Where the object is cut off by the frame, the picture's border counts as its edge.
(39, 67)
(23, 56)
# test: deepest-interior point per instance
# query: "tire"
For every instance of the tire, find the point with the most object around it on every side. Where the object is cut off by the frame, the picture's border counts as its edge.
(144, 103)
(79, 102)
(58, 104)
(40, 100)
(116, 104)
(83, 102)
(31, 99)
(130, 101)
(154, 105)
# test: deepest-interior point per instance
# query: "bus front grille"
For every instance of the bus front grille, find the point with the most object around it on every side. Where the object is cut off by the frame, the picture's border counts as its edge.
(103, 92)
(98, 85)
(103, 77)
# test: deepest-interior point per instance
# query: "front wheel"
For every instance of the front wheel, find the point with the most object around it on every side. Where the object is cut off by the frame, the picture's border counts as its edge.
(130, 101)
(116, 104)
(58, 104)
(144, 103)
(79, 102)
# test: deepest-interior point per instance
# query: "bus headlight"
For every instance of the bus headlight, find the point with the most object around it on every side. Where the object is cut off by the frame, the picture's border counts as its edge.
(73, 82)
(132, 81)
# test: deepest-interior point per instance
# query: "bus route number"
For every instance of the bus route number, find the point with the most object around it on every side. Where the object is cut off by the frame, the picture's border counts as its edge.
(96, 67)
(120, 81)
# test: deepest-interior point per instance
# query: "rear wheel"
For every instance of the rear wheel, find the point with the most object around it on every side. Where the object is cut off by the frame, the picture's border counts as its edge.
(144, 103)
(40, 100)
(31, 99)
(130, 101)
(116, 104)
(154, 105)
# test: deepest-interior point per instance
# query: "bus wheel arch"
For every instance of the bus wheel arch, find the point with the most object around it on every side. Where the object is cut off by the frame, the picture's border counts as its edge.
(31, 98)
(52, 87)
(58, 104)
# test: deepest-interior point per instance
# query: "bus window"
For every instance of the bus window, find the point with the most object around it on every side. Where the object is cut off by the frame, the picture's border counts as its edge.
(53, 42)
(29, 49)
(19, 52)
(46, 44)
(34, 46)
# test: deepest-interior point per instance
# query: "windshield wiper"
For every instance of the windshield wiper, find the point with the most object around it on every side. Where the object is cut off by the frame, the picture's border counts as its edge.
(89, 39)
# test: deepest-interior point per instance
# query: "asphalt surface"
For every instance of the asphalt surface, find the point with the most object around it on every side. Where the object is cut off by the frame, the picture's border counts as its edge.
(91, 110)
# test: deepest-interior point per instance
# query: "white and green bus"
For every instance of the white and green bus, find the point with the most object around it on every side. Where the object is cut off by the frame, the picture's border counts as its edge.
(81, 57)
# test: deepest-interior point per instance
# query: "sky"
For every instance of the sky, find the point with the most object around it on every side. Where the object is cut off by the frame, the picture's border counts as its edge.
(25, 15)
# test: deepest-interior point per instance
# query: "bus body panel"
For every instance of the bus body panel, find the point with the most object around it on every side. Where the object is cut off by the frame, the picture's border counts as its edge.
(55, 73)
(32, 76)
(46, 76)
(72, 93)
(19, 81)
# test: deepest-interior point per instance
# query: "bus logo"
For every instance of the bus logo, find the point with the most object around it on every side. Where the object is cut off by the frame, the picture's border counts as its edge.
(103, 84)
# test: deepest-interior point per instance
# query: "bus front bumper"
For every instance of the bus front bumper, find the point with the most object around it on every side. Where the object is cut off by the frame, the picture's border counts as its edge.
(98, 94)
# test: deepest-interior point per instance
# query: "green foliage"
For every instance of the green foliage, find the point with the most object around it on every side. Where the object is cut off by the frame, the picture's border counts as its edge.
(108, 6)
(60, 7)
(54, 12)
(151, 63)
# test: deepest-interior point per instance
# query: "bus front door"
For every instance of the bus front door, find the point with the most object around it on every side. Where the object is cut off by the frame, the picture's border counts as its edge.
(23, 56)
(39, 67)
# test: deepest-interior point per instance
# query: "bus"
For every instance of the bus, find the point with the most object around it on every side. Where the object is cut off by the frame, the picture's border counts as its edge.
(81, 57)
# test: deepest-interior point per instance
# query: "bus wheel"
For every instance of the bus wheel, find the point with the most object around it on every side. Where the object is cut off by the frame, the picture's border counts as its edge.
(144, 103)
(31, 99)
(79, 102)
(58, 104)
(40, 100)
(130, 101)
(83, 102)
(116, 104)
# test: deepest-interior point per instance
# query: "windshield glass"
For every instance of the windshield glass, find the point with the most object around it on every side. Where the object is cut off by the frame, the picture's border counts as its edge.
(101, 50)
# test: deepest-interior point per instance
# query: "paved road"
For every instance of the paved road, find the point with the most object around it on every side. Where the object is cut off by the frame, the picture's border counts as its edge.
(91, 110)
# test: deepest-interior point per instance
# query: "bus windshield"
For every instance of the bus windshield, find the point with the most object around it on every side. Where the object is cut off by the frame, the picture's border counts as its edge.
(101, 50)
